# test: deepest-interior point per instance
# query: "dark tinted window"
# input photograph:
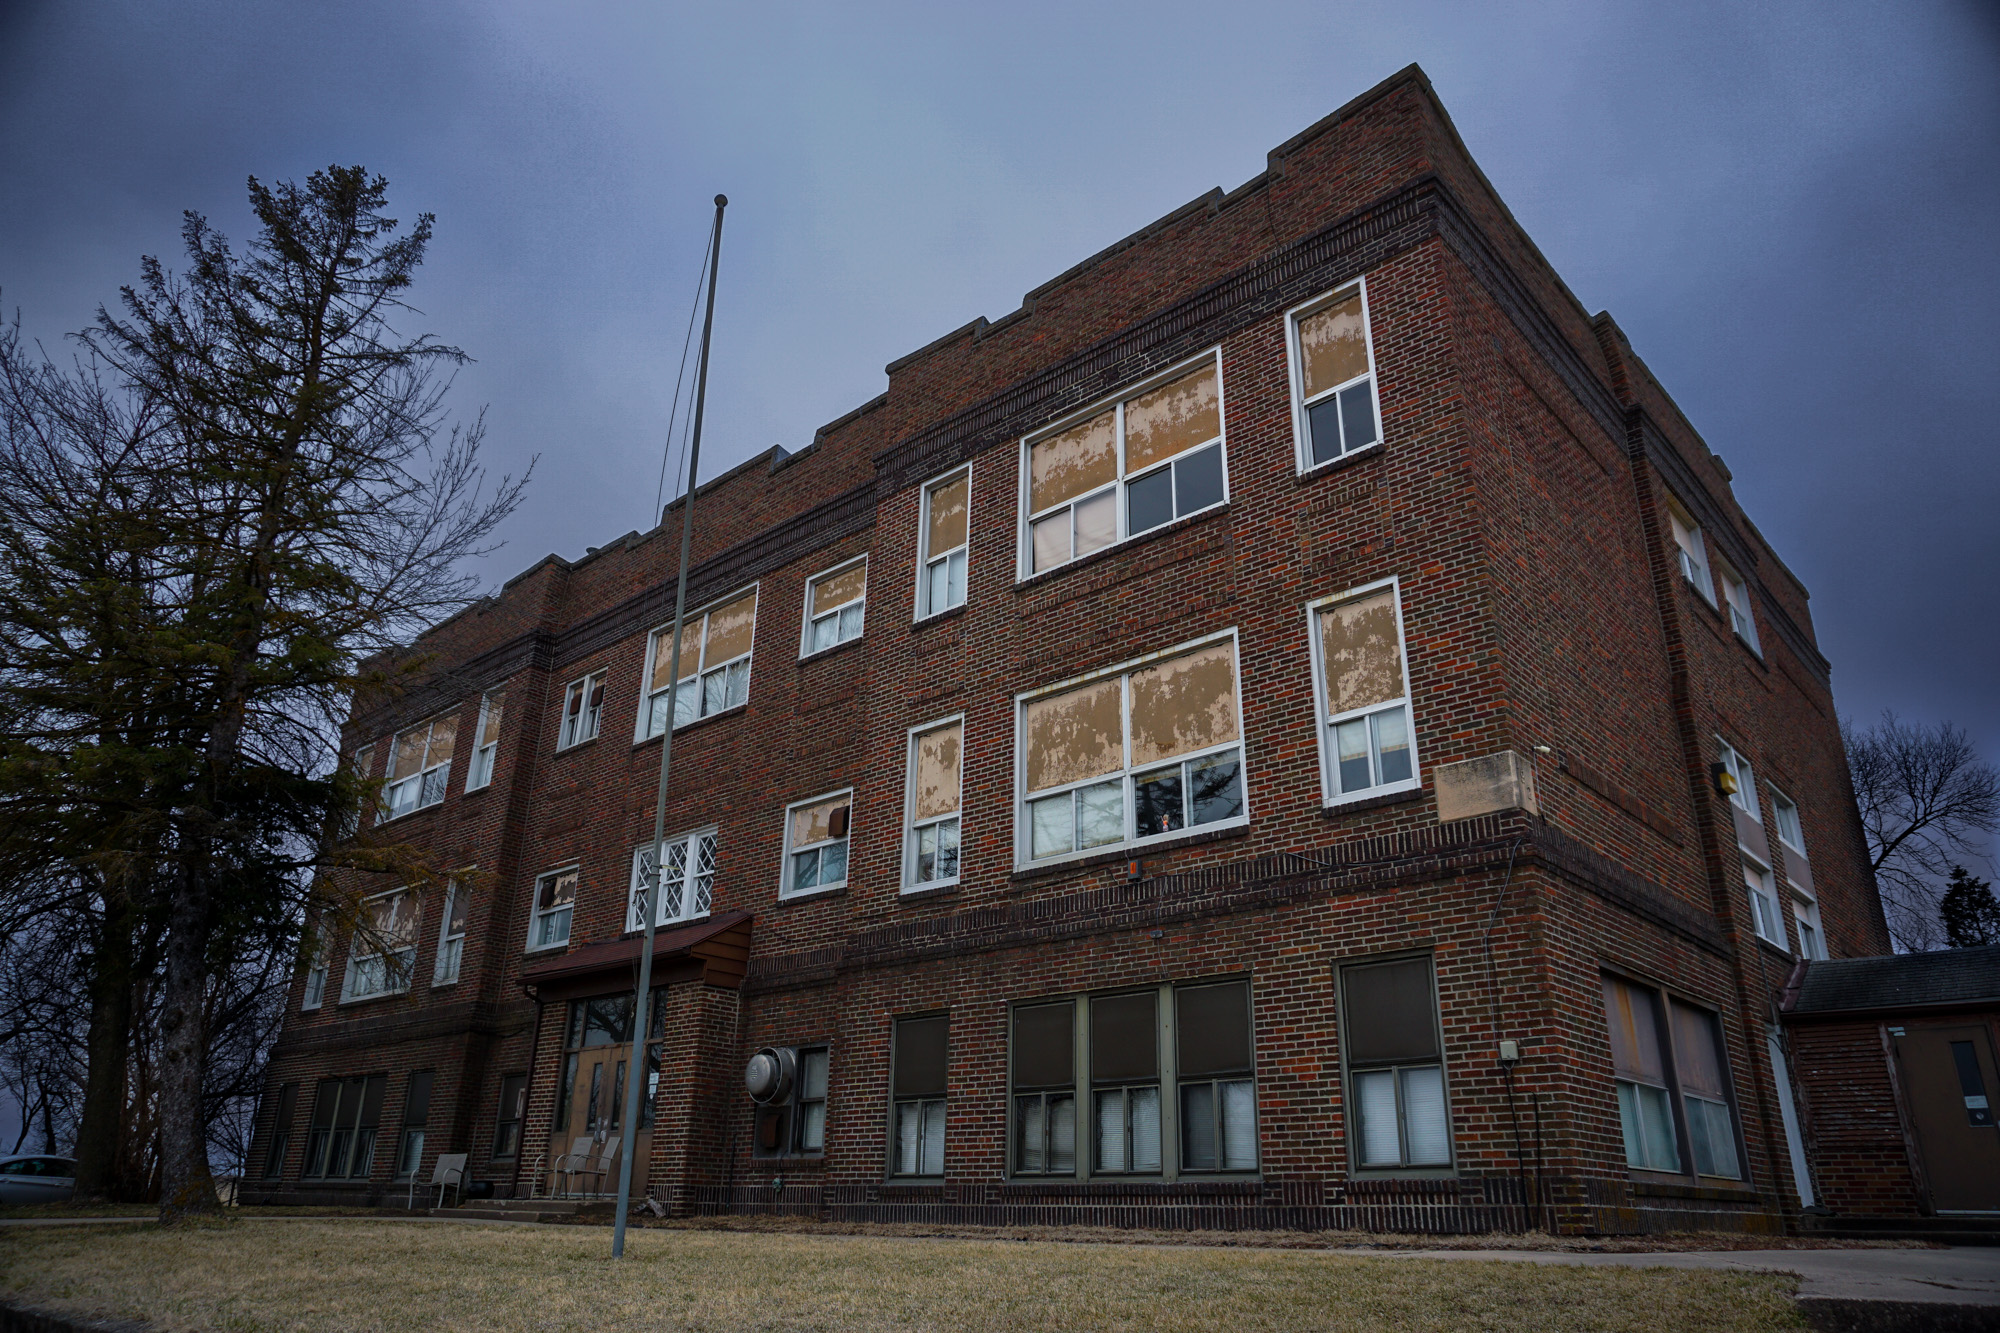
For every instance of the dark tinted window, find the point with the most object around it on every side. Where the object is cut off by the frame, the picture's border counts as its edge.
(920, 1056)
(1044, 1045)
(1389, 1012)
(1124, 1040)
(1214, 1029)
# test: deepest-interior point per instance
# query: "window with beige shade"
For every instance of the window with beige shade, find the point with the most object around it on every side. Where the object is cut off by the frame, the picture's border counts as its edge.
(383, 948)
(941, 565)
(836, 604)
(1126, 467)
(419, 764)
(480, 772)
(936, 765)
(1363, 685)
(715, 665)
(1333, 377)
(816, 844)
(1138, 754)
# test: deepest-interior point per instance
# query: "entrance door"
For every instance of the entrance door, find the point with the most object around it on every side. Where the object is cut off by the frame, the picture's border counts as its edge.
(591, 1102)
(1950, 1080)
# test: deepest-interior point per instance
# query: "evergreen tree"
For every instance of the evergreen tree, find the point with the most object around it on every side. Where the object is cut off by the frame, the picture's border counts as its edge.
(1969, 911)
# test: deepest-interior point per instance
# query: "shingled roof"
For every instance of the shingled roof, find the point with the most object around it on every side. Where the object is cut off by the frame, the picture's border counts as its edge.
(1954, 978)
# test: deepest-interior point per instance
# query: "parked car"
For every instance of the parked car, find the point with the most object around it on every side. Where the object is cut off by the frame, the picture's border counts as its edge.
(36, 1179)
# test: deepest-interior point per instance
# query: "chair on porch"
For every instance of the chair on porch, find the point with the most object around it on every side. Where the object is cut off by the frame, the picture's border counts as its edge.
(449, 1173)
(575, 1161)
(600, 1165)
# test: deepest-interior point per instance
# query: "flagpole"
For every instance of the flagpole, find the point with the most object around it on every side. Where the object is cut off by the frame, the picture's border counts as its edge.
(650, 888)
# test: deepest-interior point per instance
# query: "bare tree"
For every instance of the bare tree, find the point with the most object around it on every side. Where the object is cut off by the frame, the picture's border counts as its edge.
(1927, 801)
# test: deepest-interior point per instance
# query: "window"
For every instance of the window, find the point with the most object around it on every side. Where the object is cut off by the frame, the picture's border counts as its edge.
(1744, 798)
(1366, 746)
(1044, 1082)
(1217, 1089)
(1132, 757)
(1125, 1082)
(1785, 818)
(715, 665)
(384, 946)
(364, 768)
(1333, 381)
(1736, 596)
(321, 955)
(690, 880)
(836, 604)
(1764, 915)
(513, 1110)
(555, 900)
(451, 934)
(916, 1114)
(480, 771)
(281, 1131)
(931, 847)
(340, 1144)
(1691, 551)
(1640, 1051)
(1395, 1066)
(583, 710)
(816, 845)
(1805, 914)
(796, 1122)
(416, 1110)
(419, 764)
(946, 528)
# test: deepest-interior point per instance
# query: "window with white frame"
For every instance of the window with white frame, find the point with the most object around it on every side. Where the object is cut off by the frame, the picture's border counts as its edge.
(1765, 914)
(1333, 377)
(1125, 467)
(451, 934)
(320, 958)
(1785, 818)
(715, 665)
(836, 605)
(555, 901)
(1691, 550)
(1805, 915)
(583, 711)
(384, 946)
(687, 888)
(1131, 756)
(1395, 1065)
(947, 526)
(1366, 746)
(1736, 597)
(419, 765)
(936, 762)
(816, 844)
(1742, 776)
(916, 1114)
(479, 772)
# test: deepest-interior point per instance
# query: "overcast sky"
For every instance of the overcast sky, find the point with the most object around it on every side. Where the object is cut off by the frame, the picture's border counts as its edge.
(1793, 210)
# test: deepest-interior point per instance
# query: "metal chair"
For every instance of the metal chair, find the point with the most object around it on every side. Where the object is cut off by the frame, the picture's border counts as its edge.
(449, 1173)
(599, 1165)
(575, 1161)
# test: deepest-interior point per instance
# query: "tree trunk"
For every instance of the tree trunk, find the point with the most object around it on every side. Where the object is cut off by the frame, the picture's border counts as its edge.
(101, 1127)
(186, 1188)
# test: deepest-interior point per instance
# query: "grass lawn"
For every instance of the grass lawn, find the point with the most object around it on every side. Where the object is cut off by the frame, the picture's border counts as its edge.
(361, 1276)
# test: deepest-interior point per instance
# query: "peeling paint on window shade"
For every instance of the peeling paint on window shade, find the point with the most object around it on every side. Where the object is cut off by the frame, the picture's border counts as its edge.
(1333, 345)
(1172, 418)
(814, 823)
(1362, 652)
(1074, 735)
(1080, 459)
(938, 771)
(495, 703)
(839, 589)
(730, 629)
(1635, 1035)
(1695, 1057)
(948, 517)
(408, 756)
(393, 920)
(1185, 704)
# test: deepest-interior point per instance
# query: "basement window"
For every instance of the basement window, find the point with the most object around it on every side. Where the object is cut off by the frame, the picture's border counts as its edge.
(688, 886)
(583, 711)
(946, 527)
(1673, 1083)
(715, 665)
(1335, 412)
(1137, 755)
(916, 1117)
(816, 845)
(931, 844)
(1366, 743)
(1125, 467)
(836, 604)
(1399, 1118)
(419, 764)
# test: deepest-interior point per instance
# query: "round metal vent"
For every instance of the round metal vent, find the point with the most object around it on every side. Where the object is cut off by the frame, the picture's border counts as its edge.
(769, 1075)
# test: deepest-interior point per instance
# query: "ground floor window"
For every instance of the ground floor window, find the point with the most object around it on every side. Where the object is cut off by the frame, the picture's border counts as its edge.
(281, 1131)
(916, 1117)
(513, 1110)
(793, 1122)
(340, 1145)
(1398, 1117)
(1671, 1073)
(416, 1111)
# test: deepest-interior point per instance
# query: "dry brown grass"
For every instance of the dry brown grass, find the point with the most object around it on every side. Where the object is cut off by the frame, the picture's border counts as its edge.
(363, 1277)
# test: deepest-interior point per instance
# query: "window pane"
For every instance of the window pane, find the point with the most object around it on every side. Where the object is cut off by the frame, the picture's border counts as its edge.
(1188, 703)
(812, 1127)
(1392, 744)
(838, 589)
(932, 1163)
(1215, 788)
(1051, 540)
(1172, 418)
(909, 1128)
(1697, 1055)
(1649, 1127)
(955, 580)
(1239, 1126)
(1357, 416)
(937, 595)
(1323, 429)
(1080, 459)
(1144, 1108)
(833, 863)
(1051, 826)
(1424, 1123)
(1198, 480)
(1361, 651)
(1149, 501)
(1635, 1033)
(489, 731)
(812, 1075)
(1111, 1131)
(1044, 1045)
(1333, 345)
(824, 631)
(730, 631)
(1100, 814)
(1389, 1012)
(1350, 743)
(1214, 1028)
(558, 890)
(947, 517)
(408, 755)
(937, 777)
(1124, 1036)
(920, 1056)
(1062, 1133)
(947, 849)
(850, 621)
(1074, 735)
(1712, 1136)
(739, 684)
(1096, 522)
(805, 870)
(714, 692)
(1156, 802)
(1198, 1126)
(1375, 1113)
(1033, 1130)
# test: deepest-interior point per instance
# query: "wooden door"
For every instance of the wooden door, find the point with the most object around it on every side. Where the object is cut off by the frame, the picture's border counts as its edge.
(597, 1111)
(1950, 1082)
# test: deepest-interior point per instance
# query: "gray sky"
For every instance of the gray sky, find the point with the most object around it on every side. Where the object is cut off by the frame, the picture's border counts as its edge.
(1791, 208)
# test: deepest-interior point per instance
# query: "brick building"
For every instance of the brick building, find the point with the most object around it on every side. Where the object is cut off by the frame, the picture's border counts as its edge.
(1288, 727)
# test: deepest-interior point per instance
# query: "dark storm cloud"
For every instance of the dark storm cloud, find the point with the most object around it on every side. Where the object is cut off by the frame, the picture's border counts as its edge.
(1790, 209)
